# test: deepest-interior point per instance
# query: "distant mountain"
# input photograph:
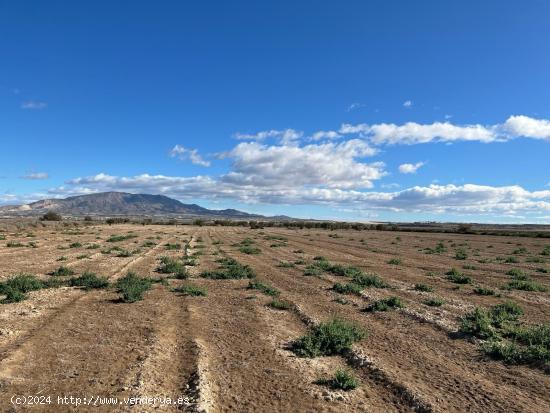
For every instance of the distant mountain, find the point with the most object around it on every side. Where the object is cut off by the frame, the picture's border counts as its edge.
(121, 203)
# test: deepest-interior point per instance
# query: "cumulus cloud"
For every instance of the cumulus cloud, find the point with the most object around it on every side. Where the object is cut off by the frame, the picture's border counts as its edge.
(33, 105)
(319, 135)
(327, 165)
(509, 201)
(182, 153)
(35, 176)
(407, 103)
(410, 168)
(525, 126)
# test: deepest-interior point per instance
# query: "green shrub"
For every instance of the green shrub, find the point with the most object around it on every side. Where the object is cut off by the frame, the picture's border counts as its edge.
(16, 287)
(14, 244)
(483, 291)
(92, 247)
(13, 296)
(526, 285)
(148, 244)
(62, 271)
(517, 274)
(394, 261)
(118, 238)
(457, 277)
(349, 288)
(434, 302)
(191, 290)
(369, 280)
(89, 281)
(423, 287)
(312, 270)
(245, 249)
(342, 380)
(263, 287)
(461, 254)
(230, 269)
(328, 338)
(279, 304)
(487, 324)
(511, 260)
(75, 245)
(173, 246)
(131, 287)
(386, 304)
(170, 265)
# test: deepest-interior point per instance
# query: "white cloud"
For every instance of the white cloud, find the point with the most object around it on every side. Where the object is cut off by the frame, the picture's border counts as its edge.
(329, 164)
(521, 125)
(285, 136)
(320, 135)
(35, 176)
(33, 104)
(414, 133)
(192, 154)
(468, 199)
(407, 103)
(410, 168)
(411, 133)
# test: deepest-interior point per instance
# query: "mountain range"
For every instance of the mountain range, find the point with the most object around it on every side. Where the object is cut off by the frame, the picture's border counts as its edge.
(121, 203)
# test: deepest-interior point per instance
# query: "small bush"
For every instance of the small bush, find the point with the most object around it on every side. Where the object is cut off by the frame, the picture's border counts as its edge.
(349, 288)
(483, 291)
(423, 287)
(279, 304)
(434, 302)
(312, 270)
(16, 287)
(89, 281)
(14, 244)
(369, 280)
(394, 261)
(172, 266)
(517, 274)
(526, 285)
(131, 287)
(342, 380)
(62, 272)
(457, 277)
(386, 304)
(173, 246)
(263, 287)
(119, 238)
(461, 254)
(230, 269)
(285, 264)
(245, 249)
(328, 338)
(75, 245)
(511, 260)
(191, 290)
(51, 216)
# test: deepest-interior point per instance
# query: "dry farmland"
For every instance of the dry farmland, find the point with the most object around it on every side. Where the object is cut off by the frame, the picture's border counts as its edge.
(224, 313)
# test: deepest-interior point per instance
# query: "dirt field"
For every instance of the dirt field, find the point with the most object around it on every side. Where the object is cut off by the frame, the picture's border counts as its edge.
(229, 351)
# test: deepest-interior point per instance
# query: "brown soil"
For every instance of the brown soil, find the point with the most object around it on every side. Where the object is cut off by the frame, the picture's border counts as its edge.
(229, 351)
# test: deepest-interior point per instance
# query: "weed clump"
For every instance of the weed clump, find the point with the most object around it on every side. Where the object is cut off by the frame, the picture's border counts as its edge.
(457, 277)
(342, 380)
(170, 265)
(483, 291)
(328, 338)
(247, 249)
(423, 287)
(191, 290)
(279, 304)
(15, 288)
(434, 302)
(62, 271)
(263, 287)
(386, 304)
(132, 287)
(89, 281)
(349, 288)
(230, 269)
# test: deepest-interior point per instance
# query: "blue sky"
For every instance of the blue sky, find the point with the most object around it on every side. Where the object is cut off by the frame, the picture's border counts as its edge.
(432, 110)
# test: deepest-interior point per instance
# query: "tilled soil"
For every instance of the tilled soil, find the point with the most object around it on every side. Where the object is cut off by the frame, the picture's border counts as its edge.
(230, 352)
